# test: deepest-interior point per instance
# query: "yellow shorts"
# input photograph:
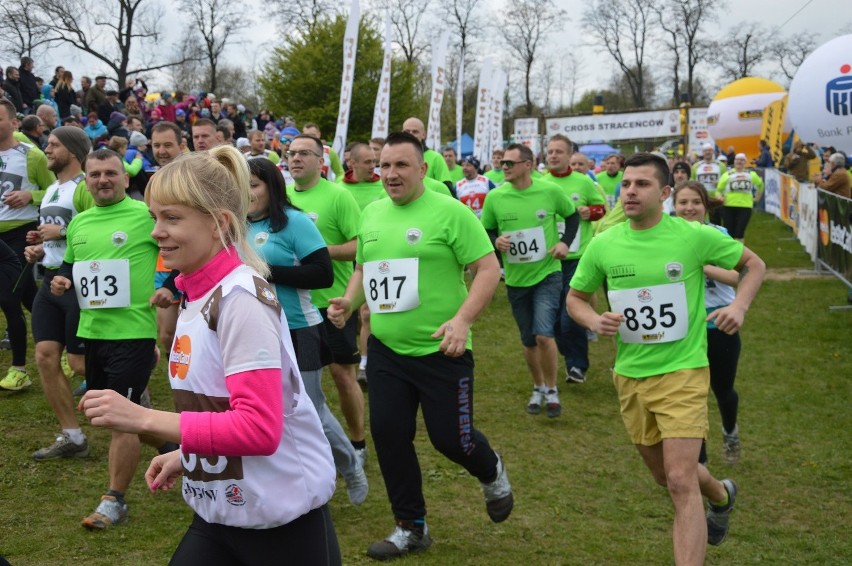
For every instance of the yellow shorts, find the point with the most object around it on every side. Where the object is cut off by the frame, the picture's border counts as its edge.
(672, 405)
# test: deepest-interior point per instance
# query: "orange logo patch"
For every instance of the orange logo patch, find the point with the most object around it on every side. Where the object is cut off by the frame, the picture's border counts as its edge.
(180, 357)
(824, 235)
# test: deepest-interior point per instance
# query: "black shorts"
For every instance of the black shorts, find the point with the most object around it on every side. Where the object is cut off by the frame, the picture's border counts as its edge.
(342, 341)
(121, 365)
(55, 319)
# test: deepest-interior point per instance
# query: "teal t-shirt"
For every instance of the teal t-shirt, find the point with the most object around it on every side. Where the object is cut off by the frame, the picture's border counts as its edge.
(287, 247)
(435, 237)
(336, 214)
(530, 216)
(659, 274)
(120, 231)
(583, 192)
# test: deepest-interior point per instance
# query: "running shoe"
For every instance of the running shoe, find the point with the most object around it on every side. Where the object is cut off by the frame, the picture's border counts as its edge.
(731, 446)
(357, 486)
(575, 375)
(66, 367)
(15, 380)
(109, 512)
(551, 401)
(405, 539)
(536, 401)
(362, 378)
(62, 448)
(718, 518)
(498, 495)
(361, 456)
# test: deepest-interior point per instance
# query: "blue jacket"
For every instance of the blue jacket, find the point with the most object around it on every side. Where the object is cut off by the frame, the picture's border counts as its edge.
(95, 131)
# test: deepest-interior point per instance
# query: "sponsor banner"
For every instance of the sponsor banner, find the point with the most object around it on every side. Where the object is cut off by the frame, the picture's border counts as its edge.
(481, 133)
(772, 129)
(350, 48)
(835, 233)
(807, 231)
(698, 132)
(439, 85)
(460, 104)
(526, 132)
(499, 82)
(613, 127)
(772, 191)
(381, 112)
(789, 189)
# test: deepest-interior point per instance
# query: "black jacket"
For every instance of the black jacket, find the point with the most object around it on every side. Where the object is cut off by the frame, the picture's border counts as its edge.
(29, 89)
(13, 93)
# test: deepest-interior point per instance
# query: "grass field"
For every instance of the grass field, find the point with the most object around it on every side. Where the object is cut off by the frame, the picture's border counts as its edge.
(582, 496)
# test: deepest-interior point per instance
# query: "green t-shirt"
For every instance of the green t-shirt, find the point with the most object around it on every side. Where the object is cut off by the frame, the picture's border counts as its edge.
(530, 215)
(583, 192)
(365, 193)
(120, 231)
(498, 176)
(437, 186)
(661, 271)
(739, 189)
(456, 173)
(443, 235)
(611, 186)
(613, 217)
(437, 166)
(336, 214)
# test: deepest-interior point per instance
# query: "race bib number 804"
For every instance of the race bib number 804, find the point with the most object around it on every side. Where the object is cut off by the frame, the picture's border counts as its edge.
(653, 315)
(102, 284)
(391, 285)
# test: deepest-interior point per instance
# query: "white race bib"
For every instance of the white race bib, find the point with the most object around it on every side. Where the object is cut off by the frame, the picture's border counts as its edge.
(527, 246)
(390, 285)
(102, 284)
(653, 314)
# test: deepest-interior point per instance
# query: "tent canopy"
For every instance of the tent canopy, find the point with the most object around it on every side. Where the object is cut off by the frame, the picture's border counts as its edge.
(598, 150)
(466, 146)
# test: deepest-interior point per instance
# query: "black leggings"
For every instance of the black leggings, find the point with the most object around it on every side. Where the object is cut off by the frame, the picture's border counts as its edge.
(23, 293)
(735, 220)
(723, 351)
(310, 539)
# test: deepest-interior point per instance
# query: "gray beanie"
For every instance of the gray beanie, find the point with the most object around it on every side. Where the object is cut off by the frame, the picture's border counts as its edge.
(137, 139)
(75, 140)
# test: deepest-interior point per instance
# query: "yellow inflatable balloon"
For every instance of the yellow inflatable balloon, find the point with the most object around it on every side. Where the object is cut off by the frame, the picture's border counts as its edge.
(735, 115)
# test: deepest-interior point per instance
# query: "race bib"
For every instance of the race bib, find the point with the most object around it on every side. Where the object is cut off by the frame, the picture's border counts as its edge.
(653, 315)
(575, 243)
(102, 284)
(527, 246)
(391, 285)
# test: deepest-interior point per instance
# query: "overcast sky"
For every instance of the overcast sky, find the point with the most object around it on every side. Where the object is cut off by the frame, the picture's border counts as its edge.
(824, 19)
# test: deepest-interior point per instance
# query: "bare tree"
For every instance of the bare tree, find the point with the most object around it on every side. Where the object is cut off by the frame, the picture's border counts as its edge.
(792, 51)
(743, 50)
(188, 74)
(683, 23)
(111, 31)
(22, 31)
(623, 28)
(216, 23)
(304, 15)
(525, 25)
(407, 17)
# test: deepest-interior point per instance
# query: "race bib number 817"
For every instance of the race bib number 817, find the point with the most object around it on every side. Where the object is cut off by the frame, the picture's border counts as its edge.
(391, 285)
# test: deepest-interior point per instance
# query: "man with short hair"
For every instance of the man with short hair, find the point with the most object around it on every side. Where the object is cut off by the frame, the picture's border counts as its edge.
(653, 266)
(48, 118)
(96, 96)
(412, 251)
(610, 178)
(24, 176)
(109, 264)
(33, 128)
(85, 85)
(520, 216)
(571, 338)
(451, 159)
(336, 214)
(473, 188)
(331, 166)
(55, 319)
(239, 127)
(204, 135)
(12, 88)
(436, 166)
(257, 147)
(708, 171)
(29, 88)
(496, 172)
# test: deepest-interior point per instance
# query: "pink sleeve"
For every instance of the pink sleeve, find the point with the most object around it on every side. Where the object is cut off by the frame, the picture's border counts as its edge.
(252, 426)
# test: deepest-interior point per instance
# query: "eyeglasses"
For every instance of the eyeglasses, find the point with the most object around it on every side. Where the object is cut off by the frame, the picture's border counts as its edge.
(303, 153)
(508, 163)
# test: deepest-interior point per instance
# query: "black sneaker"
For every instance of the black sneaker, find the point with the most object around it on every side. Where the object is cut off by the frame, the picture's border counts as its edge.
(405, 539)
(575, 375)
(718, 517)
(498, 495)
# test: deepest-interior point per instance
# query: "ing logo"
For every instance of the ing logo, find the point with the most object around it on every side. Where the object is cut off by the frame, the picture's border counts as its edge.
(180, 357)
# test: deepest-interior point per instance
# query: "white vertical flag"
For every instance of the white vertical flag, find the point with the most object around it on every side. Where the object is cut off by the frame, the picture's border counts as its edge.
(460, 104)
(481, 135)
(350, 47)
(498, 91)
(381, 113)
(439, 80)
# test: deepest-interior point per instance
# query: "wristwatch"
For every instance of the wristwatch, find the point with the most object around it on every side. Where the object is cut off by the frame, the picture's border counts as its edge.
(62, 231)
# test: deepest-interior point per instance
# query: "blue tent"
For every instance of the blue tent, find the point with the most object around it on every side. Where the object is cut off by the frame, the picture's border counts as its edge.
(598, 150)
(466, 146)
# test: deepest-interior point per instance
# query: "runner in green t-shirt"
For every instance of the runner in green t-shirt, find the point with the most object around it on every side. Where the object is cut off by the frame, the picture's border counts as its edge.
(412, 252)
(520, 216)
(109, 263)
(653, 266)
(610, 178)
(496, 171)
(451, 159)
(571, 338)
(437, 167)
(741, 190)
(336, 214)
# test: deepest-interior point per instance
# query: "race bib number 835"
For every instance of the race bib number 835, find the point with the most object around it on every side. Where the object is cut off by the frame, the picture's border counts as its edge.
(653, 315)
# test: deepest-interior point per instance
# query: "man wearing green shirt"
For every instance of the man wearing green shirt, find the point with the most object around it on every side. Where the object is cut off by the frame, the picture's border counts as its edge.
(332, 169)
(496, 171)
(336, 214)
(654, 269)
(610, 178)
(520, 216)
(436, 166)
(412, 253)
(451, 159)
(109, 263)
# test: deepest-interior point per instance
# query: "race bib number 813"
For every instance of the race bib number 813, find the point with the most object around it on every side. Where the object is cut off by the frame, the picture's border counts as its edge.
(102, 284)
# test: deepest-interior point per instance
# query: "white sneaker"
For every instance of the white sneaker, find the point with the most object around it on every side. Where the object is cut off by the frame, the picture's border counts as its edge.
(498, 495)
(536, 401)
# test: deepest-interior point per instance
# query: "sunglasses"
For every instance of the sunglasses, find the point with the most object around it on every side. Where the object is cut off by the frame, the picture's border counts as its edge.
(508, 163)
